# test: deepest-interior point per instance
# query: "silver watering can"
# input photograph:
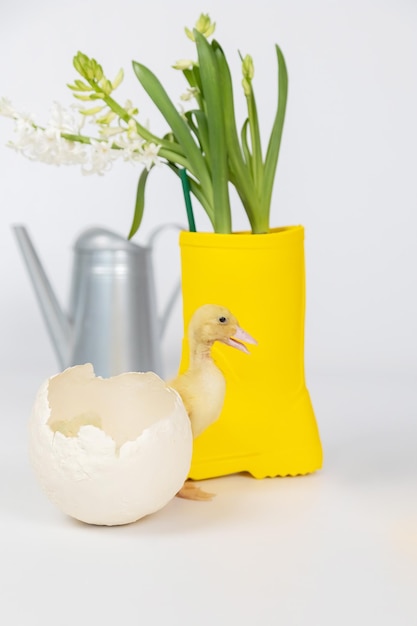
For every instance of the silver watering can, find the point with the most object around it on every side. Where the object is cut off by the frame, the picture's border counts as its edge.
(112, 320)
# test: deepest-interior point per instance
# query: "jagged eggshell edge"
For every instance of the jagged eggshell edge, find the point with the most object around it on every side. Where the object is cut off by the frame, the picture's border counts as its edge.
(88, 479)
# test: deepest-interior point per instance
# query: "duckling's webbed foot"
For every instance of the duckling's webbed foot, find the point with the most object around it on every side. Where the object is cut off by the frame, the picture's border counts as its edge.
(190, 491)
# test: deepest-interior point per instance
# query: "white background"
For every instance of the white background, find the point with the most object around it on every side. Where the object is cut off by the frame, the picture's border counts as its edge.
(339, 547)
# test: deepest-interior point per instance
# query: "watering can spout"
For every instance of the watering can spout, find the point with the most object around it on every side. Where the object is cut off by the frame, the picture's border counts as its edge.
(58, 324)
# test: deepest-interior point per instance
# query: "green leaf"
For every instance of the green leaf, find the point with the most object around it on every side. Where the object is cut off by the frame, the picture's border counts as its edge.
(197, 121)
(244, 140)
(271, 159)
(191, 77)
(173, 157)
(241, 173)
(139, 204)
(211, 91)
(194, 80)
(172, 146)
(176, 122)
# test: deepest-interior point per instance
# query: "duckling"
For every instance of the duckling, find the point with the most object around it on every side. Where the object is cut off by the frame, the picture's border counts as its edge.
(202, 387)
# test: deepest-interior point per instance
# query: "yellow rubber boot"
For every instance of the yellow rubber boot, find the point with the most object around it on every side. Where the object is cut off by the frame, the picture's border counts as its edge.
(267, 426)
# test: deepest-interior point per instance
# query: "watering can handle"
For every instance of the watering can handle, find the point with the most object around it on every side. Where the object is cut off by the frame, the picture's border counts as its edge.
(177, 289)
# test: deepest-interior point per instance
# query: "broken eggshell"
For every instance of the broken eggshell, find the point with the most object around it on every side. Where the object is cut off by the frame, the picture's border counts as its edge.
(109, 451)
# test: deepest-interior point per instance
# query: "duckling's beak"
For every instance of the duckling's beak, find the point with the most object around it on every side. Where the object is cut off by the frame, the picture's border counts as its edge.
(240, 335)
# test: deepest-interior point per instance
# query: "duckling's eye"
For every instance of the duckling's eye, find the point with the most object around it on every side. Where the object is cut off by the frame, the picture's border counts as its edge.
(222, 320)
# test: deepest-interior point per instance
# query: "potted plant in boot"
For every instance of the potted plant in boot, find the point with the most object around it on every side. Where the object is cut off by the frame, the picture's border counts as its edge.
(267, 426)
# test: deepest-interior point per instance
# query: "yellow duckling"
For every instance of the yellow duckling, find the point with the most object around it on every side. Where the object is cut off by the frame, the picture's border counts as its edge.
(202, 387)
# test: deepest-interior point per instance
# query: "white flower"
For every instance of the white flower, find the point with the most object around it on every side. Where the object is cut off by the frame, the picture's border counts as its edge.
(131, 129)
(72, 152)
(110, 131)
(25, 133)
(131, 109)
(101, 155)
(6, 108)
(42, 146)
(132, 152)
(131, 145)
(149, 153)
(48, 145)
(191, 93)
(135, 149)
(184, 64)
(64, 120)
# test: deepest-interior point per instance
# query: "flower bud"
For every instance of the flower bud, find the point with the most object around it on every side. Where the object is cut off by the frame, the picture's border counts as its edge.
(131, 109)
(82, 86)
(107, 119)
(248, 72)
(204, 25)
(184, 64)
(248, 69)
(246, 86)
(6, 108)
(106, 86)
(84, 98)
(78, 63)
(97, 70)
(119, 77)
(92, 111)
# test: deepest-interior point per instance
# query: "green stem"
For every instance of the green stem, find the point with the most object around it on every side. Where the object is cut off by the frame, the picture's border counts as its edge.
(167, 154)
(188, 205)
(74, 138)
(257, 165)
(141, 130)
(198, 192)
(176, 122)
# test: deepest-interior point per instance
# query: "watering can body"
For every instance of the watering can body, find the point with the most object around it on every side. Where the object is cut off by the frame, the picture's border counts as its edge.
(112, 319)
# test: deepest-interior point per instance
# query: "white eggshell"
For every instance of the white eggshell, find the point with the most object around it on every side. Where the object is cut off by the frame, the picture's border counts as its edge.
(109, 451)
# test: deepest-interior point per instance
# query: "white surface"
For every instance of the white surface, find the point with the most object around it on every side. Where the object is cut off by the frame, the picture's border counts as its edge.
(336, 548)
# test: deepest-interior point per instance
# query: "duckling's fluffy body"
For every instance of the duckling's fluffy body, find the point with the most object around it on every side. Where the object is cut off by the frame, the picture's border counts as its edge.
(202, 387)
(202, 390)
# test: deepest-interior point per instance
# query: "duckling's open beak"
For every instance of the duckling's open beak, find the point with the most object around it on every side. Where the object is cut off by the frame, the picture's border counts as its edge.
(240, 335)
